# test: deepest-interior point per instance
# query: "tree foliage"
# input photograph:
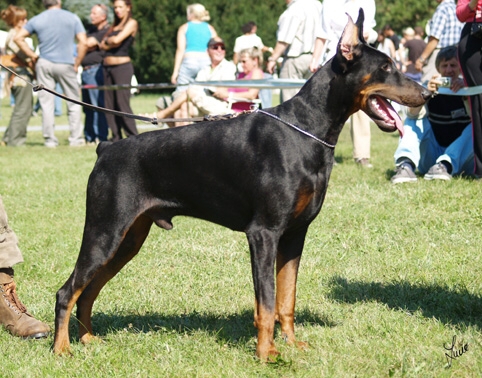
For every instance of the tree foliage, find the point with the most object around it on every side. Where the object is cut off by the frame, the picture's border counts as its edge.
(400, 14)
(155, 46)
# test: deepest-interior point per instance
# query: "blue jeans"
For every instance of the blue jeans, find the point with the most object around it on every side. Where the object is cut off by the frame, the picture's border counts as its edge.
(189, 69)
(420, 146)
(95, 126)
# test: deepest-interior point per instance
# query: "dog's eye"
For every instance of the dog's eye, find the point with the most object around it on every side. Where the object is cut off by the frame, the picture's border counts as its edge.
(387, 67)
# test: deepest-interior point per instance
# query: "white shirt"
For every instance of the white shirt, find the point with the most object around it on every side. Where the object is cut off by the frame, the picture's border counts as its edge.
(299, 25)
(226, 70)
(247, 41)
(334, 20)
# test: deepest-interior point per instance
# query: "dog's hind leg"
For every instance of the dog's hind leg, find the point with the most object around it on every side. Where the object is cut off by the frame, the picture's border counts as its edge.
(287, 264)
(128, 248)
(263, 245)
(98, 262)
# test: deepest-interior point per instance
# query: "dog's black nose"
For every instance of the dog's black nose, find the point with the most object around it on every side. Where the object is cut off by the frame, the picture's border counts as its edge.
(426, 94)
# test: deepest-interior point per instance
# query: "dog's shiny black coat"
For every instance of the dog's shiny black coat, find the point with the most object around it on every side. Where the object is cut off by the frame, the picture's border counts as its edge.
(252, 173)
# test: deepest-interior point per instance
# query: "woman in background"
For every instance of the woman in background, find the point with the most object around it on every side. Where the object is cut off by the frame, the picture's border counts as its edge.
(251, 61)
(16, 133)
(192, 40)
(118, 68)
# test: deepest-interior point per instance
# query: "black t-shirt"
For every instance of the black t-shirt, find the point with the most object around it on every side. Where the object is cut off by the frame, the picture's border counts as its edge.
(448, 117)
(95, 56)
(415, 48)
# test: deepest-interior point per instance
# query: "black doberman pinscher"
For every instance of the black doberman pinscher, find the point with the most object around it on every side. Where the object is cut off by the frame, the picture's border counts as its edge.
(264, 173)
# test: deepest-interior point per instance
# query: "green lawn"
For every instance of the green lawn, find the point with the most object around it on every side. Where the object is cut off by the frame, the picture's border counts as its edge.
(390, 274)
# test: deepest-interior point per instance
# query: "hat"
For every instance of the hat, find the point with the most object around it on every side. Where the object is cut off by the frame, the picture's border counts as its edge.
(215, 41)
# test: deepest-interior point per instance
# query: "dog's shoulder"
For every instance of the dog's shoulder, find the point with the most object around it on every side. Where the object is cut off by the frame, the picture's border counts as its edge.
(102, 146)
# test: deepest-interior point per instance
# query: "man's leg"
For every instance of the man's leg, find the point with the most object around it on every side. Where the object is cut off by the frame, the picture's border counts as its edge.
(87, 78)
(13, 314)
(361, 137)
(67, 77)
(47, 101)
(460, 154)
(294, 68)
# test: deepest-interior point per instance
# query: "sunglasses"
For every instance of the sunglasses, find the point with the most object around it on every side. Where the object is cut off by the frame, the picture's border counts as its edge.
(217, 47)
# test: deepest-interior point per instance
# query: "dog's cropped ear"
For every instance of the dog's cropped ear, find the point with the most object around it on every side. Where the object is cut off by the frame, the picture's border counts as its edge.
(350, 44)
(359, 23)
(352, 37)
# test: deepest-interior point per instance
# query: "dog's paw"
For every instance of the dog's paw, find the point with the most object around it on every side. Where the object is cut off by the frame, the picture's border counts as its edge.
(89, 338)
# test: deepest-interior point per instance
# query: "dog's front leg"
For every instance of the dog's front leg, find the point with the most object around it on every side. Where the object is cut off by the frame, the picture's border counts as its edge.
(263, 245)
(287, 264)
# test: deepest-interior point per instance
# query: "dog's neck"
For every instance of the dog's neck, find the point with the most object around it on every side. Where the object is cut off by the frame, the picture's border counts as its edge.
(325, 114)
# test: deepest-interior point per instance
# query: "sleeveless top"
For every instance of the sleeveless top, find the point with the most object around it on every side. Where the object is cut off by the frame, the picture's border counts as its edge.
(123, 48)
(198, 35)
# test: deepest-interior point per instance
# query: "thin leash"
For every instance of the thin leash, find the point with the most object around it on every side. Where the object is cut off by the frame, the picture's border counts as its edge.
(332, 146)
(152, 120)
(155, 120)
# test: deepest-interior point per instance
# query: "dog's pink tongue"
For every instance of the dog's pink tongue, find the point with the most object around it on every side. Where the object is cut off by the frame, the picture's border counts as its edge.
(397, 119)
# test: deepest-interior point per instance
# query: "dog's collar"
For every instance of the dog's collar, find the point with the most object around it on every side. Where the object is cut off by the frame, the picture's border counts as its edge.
(296, 128)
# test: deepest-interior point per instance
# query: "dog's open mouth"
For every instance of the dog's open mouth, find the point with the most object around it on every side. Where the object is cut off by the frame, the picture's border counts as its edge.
(383, 114)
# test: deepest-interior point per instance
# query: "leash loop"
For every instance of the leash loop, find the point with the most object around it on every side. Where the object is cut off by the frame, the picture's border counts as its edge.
(326, 144)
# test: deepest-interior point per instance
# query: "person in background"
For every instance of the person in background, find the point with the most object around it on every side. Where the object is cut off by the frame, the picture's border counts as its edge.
(444, 31)
(388, 32)
(118, 68)
(438, 137)
(16, 133)
(334, 19)
(206, 100)
(413, 45)
(241, 98)
(247, 40)
(95, 124)
(298, 26)
(192, 39)
(385, 45)
(13, 314)
(470, 56)
(56, 30)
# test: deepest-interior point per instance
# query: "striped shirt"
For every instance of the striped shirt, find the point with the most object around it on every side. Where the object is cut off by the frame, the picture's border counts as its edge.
(444, 25)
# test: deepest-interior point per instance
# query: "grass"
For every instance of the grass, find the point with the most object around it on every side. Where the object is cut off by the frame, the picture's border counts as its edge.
(389, 275)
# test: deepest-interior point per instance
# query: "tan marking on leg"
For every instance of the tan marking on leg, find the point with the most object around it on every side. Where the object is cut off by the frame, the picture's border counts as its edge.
(265, 349)
(287, 273)
(61, 339)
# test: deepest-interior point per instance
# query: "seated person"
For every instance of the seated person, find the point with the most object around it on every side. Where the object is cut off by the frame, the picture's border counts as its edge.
(437, 141)
(207, 101)
(219, 100)
(251, 60)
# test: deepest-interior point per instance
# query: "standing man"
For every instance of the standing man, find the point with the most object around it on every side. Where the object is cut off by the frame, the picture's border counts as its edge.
(444, 31)
(298, 27)
(95, 127)
(57, 30)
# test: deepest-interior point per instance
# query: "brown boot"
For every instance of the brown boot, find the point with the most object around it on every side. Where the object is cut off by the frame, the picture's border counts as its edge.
(14, 315)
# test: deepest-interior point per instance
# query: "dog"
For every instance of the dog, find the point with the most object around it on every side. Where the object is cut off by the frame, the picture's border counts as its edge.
(264, 173)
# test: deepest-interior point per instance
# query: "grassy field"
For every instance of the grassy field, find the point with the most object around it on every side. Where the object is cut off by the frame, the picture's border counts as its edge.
(390, 274)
